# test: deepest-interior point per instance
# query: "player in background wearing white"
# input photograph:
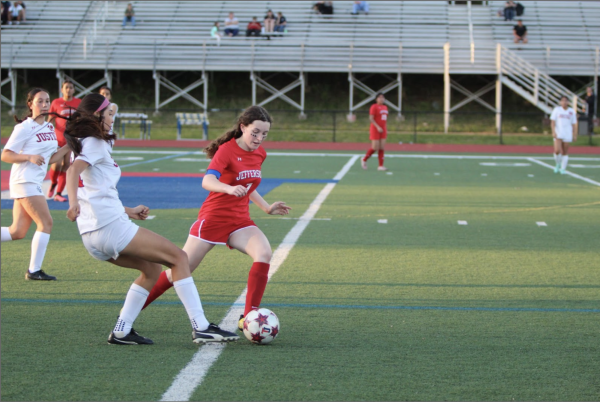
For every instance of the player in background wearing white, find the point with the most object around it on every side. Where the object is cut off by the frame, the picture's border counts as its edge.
(109, 235)
(564, 131)
(32, 146)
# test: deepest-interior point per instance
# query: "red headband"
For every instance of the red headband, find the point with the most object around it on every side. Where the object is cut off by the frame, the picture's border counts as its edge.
(104, 105)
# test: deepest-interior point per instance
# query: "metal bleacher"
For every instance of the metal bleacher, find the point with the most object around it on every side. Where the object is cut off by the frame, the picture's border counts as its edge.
(403, 37)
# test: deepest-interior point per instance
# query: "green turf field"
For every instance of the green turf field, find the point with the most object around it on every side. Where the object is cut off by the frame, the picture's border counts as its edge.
(418, 308)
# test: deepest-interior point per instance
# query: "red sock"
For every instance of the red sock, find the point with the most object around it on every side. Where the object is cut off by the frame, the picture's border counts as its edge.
(161, 286)
(257, 282)
(54, 176)
(62, 182)
(370, 152)
(380, 156)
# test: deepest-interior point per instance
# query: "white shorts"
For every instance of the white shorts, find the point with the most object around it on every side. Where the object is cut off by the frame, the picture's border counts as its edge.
(565, 138)
(23, 190)
(108, 241)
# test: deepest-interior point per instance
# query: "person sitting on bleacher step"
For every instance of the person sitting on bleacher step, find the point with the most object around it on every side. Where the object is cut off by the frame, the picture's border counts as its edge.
(232, 25)
(280, 23)
(520, 32)
(253, 28)
(269, 21)
(129, 16)
(360, 6)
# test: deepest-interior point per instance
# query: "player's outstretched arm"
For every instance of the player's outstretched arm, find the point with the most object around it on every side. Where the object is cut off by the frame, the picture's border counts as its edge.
(277, 208)
(9, 156)
(72, 185)
(59, 155)
(211, 183)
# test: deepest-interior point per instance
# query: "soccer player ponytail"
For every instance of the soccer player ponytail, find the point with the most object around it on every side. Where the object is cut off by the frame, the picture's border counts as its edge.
(247, 117)
(30, 97)
(83, 123)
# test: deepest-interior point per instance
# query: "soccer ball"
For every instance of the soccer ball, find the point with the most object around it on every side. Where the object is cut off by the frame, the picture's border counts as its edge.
(261, 326)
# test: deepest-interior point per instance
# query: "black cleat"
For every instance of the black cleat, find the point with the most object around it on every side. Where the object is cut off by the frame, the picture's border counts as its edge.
(213, 334)
(39, 276)
(133, 338)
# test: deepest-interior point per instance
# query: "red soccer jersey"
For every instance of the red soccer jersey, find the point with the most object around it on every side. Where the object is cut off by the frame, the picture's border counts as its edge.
(234, 166)
(380, 114)
(63, 108)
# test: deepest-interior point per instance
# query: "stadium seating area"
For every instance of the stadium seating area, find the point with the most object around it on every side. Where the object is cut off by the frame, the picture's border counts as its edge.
(182, 28)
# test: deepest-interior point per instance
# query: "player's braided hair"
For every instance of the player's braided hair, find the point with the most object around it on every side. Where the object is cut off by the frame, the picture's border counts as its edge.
(30, 97)
(83, 123)
(247, 117)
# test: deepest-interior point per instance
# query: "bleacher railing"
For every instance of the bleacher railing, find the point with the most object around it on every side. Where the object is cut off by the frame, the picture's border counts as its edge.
(540, 89)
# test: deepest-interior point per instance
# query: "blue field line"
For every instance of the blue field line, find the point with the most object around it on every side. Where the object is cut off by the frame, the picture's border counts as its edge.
(157, 159)
(328, 306)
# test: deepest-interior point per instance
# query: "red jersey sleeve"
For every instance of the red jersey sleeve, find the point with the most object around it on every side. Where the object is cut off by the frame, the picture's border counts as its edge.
(373, 110)
(53, 107)
(219, 162)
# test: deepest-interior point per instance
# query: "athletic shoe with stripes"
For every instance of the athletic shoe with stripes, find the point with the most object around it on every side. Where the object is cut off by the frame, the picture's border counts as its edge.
(133, 338)
(213, 334)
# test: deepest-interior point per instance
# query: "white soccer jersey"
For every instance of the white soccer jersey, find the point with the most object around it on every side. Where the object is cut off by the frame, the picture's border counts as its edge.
(31, 138)
(564, 120)
(98, 198)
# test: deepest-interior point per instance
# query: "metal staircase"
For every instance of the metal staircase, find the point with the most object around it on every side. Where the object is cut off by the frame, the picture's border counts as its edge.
(531, 83)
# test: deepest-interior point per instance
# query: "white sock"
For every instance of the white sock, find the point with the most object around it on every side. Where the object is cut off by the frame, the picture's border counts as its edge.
(565, 160)
(136, 297)
(557, 159)
(188, 294)
(6, 234)
(39, 244)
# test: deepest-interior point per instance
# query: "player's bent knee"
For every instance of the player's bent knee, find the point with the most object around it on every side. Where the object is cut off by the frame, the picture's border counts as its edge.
(264, 256)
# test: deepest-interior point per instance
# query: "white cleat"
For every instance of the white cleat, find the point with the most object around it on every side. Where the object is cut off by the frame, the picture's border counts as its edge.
(382, 168)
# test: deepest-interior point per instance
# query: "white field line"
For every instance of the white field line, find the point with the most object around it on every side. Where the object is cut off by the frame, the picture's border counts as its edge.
(191, 376)
(575, 175)
(347, 155)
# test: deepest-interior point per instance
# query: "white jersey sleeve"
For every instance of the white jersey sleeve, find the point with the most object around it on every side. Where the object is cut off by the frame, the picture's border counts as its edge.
(92, 151)
(18, 138)
(554, 114)
(574, 118)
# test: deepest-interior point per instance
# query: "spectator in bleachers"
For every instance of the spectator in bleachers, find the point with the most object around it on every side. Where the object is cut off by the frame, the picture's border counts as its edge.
(509, 11)
(519, 9)
(520, 32)
(360, 6)
(280, 23)
(590, 108)
(214, 33)
(129, 16)
(5, 9)
(269, 21)
(232, 25)
(16, 13)
(253, 28)
(323, 7)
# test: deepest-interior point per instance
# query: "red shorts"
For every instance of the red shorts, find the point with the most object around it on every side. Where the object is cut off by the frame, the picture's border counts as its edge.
(217, 232)
(376, 135)
(61, 139)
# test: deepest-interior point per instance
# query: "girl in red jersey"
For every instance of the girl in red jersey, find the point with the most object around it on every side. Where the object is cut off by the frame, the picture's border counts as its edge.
(32, 146)
(378, 115)
(64, 106)
(232, 177)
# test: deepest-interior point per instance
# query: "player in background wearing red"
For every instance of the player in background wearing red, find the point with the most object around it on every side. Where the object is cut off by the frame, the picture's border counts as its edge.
(232, 177)
(378, 115)
(109, 235)
(32, 146)
(64, 106)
